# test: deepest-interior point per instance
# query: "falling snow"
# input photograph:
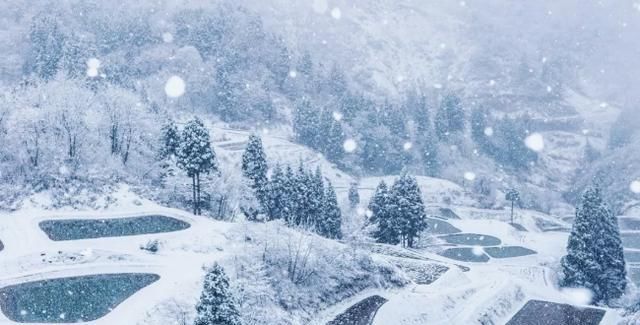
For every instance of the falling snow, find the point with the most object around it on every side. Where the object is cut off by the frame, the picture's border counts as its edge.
(174, 87)
(488, 131)
(337, 116)
(93, 65)
(470, 176)
(167, 37)
(336, 13)
(350, 145)
(635, 186)
(535, 142)
(407, 146)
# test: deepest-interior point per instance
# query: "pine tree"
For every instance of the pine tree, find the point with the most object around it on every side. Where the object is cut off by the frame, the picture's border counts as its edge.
(217, 306)
(196, 157)
(170, 141)
(314, 199)
(450, 117)
(277, 192)
(254, 167)
(382, 216)
(290, 196)
(47, 40)
(409, 212)
(354, 197)
(595, 258)
(331, 220)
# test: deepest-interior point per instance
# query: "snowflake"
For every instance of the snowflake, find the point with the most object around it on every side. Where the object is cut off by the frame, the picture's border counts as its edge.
(350, 145)
(174, 87)
(93, 65)
(635, 186)
(535, 142)
(337, 116)
(477, 251)
(167, 37)
(336, 13)
(488, 131)
(293, 73)
(407, 146)
(470, 176)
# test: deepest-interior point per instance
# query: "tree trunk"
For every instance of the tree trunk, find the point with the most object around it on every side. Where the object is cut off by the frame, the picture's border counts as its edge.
(198, 193)
(512, 212)
(193, 183)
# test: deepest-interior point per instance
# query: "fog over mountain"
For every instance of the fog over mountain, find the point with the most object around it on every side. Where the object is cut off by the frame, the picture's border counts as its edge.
(319, 161)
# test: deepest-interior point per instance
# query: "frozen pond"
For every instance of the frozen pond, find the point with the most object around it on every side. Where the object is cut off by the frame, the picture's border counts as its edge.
(627, 223)
(537, 312)
(634, 275)
(631, 240)
(632, 256)
(465, 254)
(73, 229)
(508, 251)
(361, 313)
(69, 300)
(472, 240)
(440, 227)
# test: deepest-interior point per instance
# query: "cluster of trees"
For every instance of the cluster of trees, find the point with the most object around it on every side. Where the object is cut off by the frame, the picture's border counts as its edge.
(398, 212)
(300, 197)
(192, 152)
(595, 256)
(503, 139)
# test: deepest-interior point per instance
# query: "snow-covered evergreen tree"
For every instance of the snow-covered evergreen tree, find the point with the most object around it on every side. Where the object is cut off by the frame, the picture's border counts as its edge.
(277, 194)
(315, 199)
(330, 223)
(254, 167)
(354, 196)
(290, 199)
(382, 216)
(196, 156)
(217, 305)
(170, 141)
(595, 258)
(450, 117)
(408, 209)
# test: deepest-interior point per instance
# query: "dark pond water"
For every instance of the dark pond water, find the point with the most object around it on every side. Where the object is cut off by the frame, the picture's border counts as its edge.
(631, 240)
(72, 299)
(361, 313)
(537, 312)
(440, 227)
(472, 239)
(73, 229)
(508, 251)
(464, 254)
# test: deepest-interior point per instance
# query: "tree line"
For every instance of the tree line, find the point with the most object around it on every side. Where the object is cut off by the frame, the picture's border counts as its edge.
(299, 197)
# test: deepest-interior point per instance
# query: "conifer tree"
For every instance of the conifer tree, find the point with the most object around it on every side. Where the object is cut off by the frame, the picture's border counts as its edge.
(382, 216)
(450, 117)
(170, 140)
(254, 167)
(595, 258)
(196, 157)
(277, 194)
(354, 197)
(408, 209)
(289, 201)
(217, 306)
(312, 199)
(330, 222)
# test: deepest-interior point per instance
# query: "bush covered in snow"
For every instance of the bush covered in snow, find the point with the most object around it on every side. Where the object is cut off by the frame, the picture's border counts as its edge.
(283, 276)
